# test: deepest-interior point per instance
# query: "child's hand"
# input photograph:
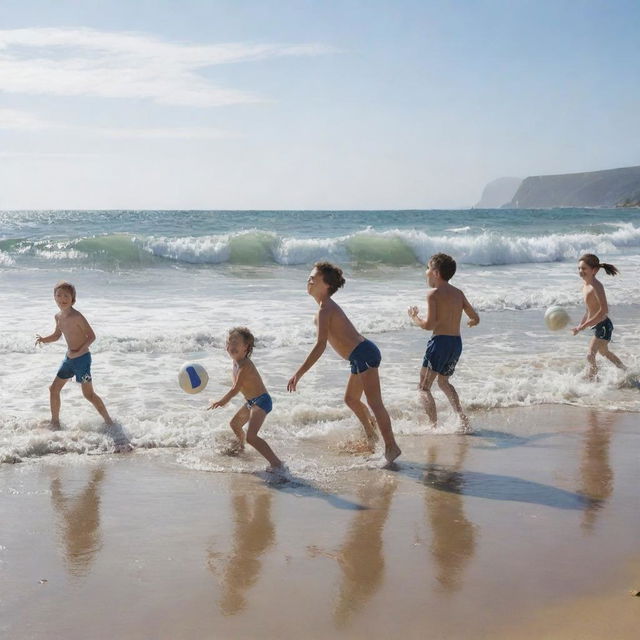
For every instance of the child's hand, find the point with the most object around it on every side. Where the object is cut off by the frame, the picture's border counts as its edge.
(293, 381)
(473, 322)
(39, 339)
(575, 331)
(412, 312)
(216, 405)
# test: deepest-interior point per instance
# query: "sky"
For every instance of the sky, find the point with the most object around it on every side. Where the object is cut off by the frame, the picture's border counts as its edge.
(308, 104)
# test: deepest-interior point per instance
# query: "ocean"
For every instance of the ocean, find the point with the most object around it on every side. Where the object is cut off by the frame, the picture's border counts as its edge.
(161, 288)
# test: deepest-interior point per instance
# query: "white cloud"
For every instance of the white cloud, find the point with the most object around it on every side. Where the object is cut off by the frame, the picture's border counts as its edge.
(88, 62)
(25, 121)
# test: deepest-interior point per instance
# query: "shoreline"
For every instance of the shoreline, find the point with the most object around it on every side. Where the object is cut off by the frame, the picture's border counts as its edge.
(490, 535)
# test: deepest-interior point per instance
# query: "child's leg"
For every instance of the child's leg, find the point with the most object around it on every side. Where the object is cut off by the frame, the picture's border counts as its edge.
(96, 401)
(611, 357)
(255, 422)
(371, 385)
(352, 396)
(54, 400)
(592, 367)
(238, 421)
(452, 395)
(427, 376)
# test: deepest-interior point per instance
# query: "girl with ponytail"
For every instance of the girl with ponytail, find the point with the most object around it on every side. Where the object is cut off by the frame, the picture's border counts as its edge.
(596, 316)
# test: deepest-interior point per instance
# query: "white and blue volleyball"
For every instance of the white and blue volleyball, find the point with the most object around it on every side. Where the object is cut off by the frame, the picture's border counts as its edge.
(192, 378)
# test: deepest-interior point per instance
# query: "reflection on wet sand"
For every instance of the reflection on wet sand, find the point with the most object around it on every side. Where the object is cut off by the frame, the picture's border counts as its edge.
(79, 521)
(453, 541)
(253, 534)
(596, 474)
(361, 558)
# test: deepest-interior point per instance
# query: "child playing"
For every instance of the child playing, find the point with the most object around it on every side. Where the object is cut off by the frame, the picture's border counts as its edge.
(596, 315)
(445, 305)
(78, 334)
(333, 326)
(247, 380)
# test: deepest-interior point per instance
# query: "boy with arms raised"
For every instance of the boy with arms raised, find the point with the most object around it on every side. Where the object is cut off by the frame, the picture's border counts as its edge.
(445, 305)
(334, 327)
(79, 335)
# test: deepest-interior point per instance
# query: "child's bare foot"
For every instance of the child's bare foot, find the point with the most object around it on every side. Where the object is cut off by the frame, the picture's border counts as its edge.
(358, 446)
(123, 447)
(465, 427)
(391, 453)
(54, 425)
(279, 469)
(233, 449)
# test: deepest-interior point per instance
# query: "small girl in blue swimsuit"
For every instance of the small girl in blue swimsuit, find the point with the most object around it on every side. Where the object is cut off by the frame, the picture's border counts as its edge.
(596, 316)
(247, 380)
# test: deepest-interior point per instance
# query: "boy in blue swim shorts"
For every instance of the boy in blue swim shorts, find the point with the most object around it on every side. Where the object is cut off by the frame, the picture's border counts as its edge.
(79, 335)
(364, 357)
(247, 380)
(445, 304)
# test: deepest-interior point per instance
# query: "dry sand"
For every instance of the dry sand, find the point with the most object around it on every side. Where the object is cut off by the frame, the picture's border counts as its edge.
(527, 529)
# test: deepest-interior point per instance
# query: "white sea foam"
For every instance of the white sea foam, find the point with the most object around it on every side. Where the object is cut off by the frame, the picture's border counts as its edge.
(396, 247)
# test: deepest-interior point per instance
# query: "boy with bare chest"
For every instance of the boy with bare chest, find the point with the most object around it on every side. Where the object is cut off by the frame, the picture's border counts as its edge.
(334, 327)
(78, 335)
(445, 305)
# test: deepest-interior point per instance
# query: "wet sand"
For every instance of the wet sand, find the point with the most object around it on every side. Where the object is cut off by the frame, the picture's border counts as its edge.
(527, 529)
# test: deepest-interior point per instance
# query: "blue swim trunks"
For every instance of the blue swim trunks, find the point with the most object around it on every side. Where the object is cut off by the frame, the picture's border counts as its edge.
(366, 355)
(603, 330)
(442, 354)
(79, 367)
(263, 401)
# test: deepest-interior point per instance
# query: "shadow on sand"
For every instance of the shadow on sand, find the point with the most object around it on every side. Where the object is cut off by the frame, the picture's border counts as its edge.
(493, 486)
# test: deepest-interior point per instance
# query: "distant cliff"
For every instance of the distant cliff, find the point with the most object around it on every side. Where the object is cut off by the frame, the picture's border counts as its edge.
(498, 192)
(610, 188)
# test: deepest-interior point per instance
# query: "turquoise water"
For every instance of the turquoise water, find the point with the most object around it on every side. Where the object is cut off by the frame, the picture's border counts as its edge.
(397, 238)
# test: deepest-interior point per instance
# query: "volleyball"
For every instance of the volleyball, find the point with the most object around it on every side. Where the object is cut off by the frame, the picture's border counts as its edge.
(192, 378)
(556, 318)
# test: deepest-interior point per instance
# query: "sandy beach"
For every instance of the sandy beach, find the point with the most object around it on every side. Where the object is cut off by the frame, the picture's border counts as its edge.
(526, 529)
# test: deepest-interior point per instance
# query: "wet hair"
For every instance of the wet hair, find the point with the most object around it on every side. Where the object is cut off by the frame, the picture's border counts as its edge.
(67, 286)
(445, 265)
(331, 274)
(594, 262)
(247, 338)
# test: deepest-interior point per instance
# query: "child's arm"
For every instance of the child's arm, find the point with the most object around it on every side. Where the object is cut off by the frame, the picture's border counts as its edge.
(473, 316)
(51, 338)
(315, 353)
(430, 321)
(234, 391)
(90, 337)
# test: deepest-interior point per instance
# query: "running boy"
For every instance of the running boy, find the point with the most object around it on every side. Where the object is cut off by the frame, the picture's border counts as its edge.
(247, 380)
(445, 305)
(79, 335)
(333, 326)
(596, 317)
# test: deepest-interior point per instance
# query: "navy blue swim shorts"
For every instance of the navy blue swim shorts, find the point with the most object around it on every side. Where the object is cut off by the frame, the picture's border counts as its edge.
(603, 330)
(442, 354)
(365, 356)
(79, 367)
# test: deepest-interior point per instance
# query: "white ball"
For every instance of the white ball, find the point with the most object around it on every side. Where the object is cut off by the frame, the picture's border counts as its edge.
(556, 318)
(192, 378)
